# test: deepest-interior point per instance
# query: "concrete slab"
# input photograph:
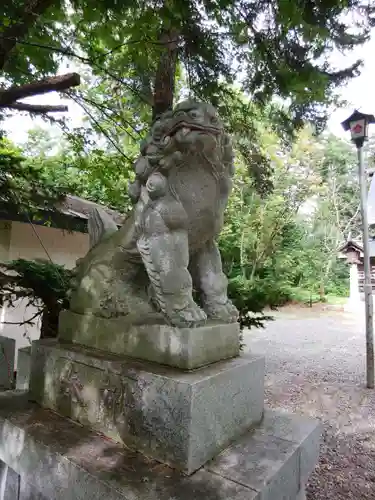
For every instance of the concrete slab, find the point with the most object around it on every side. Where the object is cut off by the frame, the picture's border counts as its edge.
(180, 418)
(185, 348)
(264, 463)
(7, 354)
(64, 460)
(298, 429)
(275, 459)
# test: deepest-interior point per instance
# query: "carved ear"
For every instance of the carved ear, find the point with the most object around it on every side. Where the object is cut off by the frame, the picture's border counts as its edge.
(100, 225)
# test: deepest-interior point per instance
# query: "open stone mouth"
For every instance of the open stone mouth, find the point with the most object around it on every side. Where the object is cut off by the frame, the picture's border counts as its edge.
(186, 128)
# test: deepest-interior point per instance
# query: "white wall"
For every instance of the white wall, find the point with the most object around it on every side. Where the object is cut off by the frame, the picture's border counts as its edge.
(62, 246)
(5, 230)
(26, 242)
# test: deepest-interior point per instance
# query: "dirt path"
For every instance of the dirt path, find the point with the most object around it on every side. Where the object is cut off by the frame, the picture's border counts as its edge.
(316, 366)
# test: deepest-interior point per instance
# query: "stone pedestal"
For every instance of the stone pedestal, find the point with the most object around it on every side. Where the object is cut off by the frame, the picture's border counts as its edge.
(188, 433)
(185, 348)
(180, 418)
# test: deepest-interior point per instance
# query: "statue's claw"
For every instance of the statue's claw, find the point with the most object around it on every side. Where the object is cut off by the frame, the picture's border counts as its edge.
(227, 312)
(189, 317)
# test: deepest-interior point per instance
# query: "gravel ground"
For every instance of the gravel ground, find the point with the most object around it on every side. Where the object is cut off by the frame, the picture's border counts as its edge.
(316, 367)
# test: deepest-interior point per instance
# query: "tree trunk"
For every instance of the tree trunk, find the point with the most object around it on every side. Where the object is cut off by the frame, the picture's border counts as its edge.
(322, 292)
(324, 278)
(50, 323)
(165, 73)
(19, 27)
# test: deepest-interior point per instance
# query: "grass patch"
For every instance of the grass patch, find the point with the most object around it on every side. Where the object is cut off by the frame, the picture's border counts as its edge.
(302, 296)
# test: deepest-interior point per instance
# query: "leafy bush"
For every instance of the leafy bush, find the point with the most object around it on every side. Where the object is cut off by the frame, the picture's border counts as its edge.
(43, 284)
(250, 298)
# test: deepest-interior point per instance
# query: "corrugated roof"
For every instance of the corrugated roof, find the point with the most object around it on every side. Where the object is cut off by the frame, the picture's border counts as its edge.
(359, 247)
(74, 206)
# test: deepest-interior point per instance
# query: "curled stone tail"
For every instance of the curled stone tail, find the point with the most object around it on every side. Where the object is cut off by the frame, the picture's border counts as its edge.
(100, 225)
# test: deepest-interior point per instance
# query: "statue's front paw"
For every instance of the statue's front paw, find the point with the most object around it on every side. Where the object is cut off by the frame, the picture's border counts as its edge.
(227, 312)
(189, 317)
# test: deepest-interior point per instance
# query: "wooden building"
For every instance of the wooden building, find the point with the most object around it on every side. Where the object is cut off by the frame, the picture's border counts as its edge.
(352, 251)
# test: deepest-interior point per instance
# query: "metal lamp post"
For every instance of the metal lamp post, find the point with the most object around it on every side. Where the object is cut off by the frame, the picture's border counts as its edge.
(358, 124)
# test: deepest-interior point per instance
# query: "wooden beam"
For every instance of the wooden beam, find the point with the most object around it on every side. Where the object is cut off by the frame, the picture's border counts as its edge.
(55, 83)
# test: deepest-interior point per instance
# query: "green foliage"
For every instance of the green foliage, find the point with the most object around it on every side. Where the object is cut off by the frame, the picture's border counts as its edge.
(283, 246)
(43, 284)
(278, 48)
(103, 178)
(38, 175)
(25, 61)
(26, 185)
(270, 50)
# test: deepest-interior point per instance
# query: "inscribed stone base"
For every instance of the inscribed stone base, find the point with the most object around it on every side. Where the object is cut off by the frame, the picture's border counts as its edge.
(185, 348)
(64, 460)
(7, 354)
(180, 418)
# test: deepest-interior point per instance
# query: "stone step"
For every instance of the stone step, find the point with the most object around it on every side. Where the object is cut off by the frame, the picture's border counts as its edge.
(63, 460)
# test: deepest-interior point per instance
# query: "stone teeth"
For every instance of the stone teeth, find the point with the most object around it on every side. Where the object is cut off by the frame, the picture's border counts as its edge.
(166, 139)
(185, 130)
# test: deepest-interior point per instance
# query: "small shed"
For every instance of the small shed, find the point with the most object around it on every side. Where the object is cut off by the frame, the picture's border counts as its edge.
(352, 252)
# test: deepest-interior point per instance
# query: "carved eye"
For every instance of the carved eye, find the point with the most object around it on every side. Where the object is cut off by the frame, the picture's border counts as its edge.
(179, 113)
(194, 114)
(214, 119)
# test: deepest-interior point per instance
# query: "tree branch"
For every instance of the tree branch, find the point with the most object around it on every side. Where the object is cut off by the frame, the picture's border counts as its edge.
(55, 83)
(88, 61)
(106, 110)
(29, 321)
(37, 108)
(79, 102)
(30, 11)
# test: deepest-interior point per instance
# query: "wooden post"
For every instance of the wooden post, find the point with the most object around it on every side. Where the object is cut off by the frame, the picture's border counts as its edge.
(367, 269)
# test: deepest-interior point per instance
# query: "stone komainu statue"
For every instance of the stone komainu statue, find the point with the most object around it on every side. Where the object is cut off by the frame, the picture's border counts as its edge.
(146, 271)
